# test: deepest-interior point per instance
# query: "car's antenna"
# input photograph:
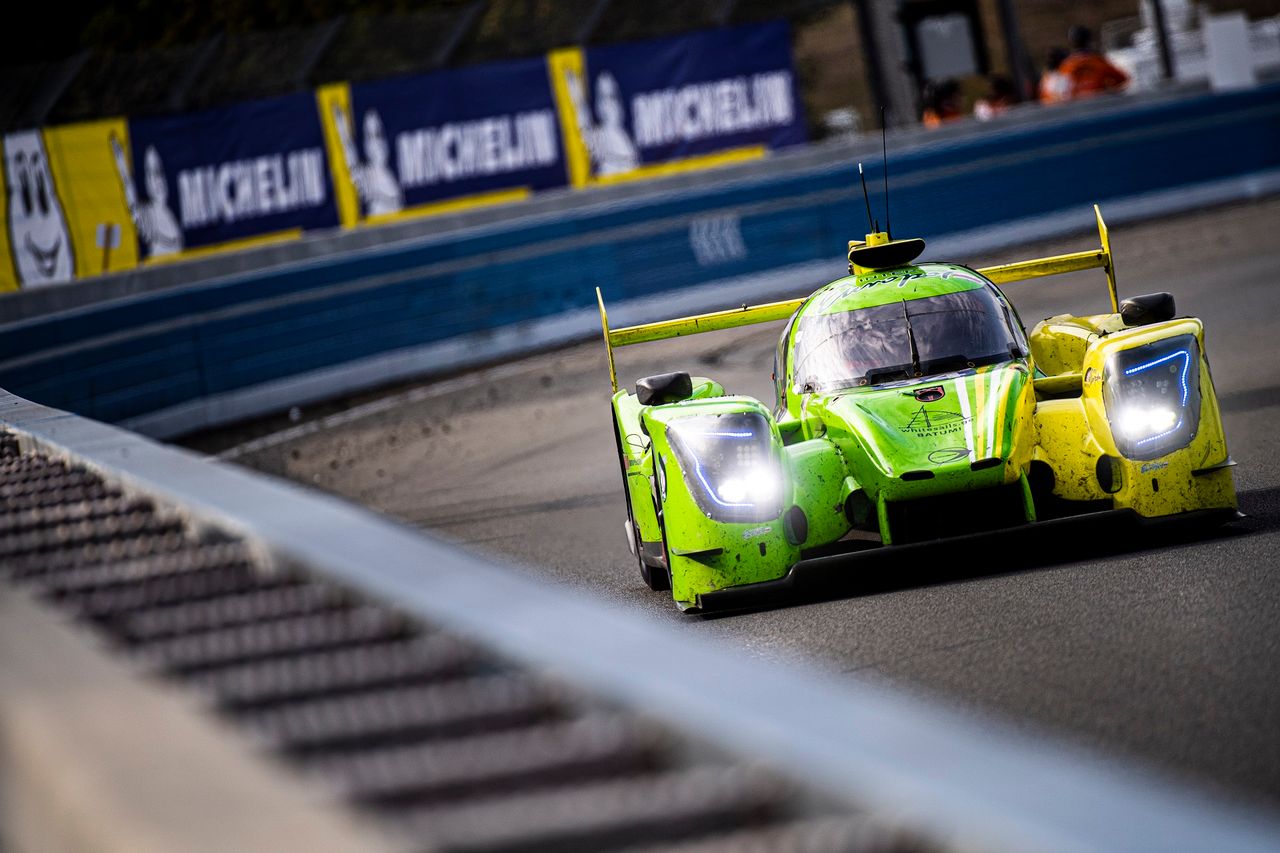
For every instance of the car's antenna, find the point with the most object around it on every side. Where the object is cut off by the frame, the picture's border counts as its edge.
(884, 151)
(866, 198)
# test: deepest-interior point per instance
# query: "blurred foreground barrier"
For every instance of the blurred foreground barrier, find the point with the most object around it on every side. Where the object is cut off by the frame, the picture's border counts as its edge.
(456, 704)
(201, 354)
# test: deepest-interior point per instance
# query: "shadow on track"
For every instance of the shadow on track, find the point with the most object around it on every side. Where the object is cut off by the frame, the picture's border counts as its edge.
(882, 570)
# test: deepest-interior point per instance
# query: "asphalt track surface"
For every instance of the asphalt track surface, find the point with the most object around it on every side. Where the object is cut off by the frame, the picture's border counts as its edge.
(1161, 647)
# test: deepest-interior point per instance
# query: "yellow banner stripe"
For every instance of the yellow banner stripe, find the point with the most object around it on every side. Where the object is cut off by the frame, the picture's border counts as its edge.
(453, 205)
(333, 101)
(561, 64)
(229, 246)
(688, 164)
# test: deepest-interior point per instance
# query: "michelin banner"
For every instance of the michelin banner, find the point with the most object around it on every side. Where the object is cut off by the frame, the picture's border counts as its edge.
(65, 214)
(105, 196)
(446, 140)
(646, 108)
(233, 176)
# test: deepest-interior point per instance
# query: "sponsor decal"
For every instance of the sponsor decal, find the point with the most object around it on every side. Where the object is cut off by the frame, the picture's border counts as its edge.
(230, 176)
(715, 108)
(655, 107)
(242, 189)
(38, 234)
(755, 532)
(944, 455)
(446, 140)
(717, 239)
(902, 279)
(495, 145)
(1148, 467)
(929, 422)
(64, 215)
(376, 186)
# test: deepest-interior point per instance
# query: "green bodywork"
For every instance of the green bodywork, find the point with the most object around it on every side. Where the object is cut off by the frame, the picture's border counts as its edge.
(860, 459)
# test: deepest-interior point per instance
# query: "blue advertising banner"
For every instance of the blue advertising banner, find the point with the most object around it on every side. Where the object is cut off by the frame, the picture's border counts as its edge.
(409, 142)
(245, 172)
(697, 99)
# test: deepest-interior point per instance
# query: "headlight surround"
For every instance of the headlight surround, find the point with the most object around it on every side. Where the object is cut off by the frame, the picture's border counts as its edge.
(730, 464)
(1152, 396)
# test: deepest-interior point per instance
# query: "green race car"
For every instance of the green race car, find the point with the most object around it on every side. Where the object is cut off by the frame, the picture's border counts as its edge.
(912, 406)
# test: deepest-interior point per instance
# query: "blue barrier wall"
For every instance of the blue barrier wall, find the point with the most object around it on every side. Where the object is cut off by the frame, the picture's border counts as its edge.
(126, 358)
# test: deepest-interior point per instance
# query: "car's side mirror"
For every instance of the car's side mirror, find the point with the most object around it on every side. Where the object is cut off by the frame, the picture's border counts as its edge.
(664, 388)
(1148, 308)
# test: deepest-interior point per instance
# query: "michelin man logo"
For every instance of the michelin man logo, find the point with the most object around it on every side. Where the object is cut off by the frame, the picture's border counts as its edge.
(38, 235)
(377, 187)
(612, 151)
(157, 226)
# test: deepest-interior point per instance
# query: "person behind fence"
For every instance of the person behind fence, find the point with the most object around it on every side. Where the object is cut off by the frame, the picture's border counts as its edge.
(1088, 70)
(1055, 87)
(942, 103)
(1001, 94)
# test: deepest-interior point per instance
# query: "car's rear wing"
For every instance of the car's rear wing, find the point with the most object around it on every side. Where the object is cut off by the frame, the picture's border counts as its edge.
(749, 315)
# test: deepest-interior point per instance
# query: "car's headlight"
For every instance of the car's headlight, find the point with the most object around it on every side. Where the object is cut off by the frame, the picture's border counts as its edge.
(730, 464)
(1152, 395)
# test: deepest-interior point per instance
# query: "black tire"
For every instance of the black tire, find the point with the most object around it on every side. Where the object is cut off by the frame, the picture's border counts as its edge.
(663, 574)
(656, 579)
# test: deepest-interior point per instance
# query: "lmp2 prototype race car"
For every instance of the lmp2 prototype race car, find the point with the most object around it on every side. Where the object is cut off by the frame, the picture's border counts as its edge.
(912, 406)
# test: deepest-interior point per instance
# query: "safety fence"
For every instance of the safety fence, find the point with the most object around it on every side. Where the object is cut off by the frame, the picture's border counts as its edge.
(193, 356)
(460, 705)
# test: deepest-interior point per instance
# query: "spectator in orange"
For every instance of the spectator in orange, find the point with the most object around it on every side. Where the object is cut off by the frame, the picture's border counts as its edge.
(1000, 96)
(1089, 71)
(1055, 87)
(941, 103)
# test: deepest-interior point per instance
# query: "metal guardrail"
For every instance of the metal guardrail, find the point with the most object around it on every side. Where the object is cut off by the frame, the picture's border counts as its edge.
(445, 744)
(470, 707)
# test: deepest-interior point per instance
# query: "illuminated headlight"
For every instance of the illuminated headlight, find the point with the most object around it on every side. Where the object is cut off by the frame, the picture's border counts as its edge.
(759, 485)
(730, 464)
(1140, 424)
(1152, 395)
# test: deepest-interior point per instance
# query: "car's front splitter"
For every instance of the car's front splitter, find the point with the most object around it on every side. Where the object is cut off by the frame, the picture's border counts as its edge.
(823, 576)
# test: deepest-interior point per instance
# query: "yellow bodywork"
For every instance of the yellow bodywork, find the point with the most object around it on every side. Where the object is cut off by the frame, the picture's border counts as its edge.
(1075, 436)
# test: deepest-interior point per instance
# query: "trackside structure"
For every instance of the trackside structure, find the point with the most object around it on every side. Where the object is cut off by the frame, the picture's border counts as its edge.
(458, 705)
(177, 348)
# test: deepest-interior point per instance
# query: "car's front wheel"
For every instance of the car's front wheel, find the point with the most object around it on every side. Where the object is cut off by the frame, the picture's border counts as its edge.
(655, 577)
(659, 577)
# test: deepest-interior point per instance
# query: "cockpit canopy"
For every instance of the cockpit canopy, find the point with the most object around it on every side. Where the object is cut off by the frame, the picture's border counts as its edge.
(903, 338)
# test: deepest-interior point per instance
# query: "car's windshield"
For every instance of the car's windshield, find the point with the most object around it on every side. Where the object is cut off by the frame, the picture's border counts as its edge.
(902, 340)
